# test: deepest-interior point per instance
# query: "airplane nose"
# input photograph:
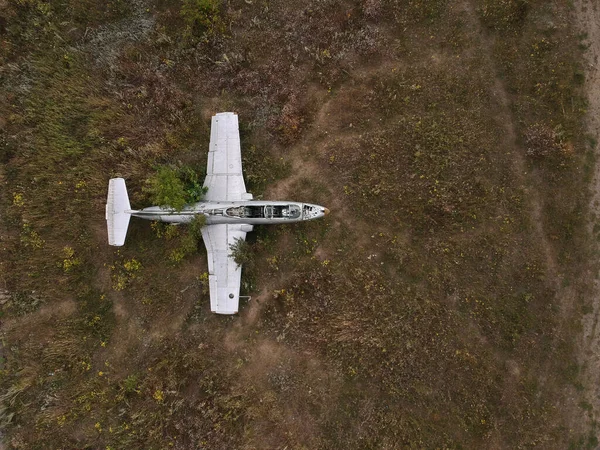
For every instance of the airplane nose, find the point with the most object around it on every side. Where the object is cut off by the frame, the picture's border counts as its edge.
(325, 211)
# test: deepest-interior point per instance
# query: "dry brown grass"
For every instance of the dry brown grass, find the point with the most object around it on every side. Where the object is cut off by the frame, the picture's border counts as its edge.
(435, 307)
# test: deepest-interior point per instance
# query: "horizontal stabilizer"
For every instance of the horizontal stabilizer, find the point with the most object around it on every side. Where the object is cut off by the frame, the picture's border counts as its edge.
(117, 211)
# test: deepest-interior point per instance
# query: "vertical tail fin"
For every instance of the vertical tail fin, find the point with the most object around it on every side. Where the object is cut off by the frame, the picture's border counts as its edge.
(117, 211)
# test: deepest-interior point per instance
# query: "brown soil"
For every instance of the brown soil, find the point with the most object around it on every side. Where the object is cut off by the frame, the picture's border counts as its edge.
(588, 16)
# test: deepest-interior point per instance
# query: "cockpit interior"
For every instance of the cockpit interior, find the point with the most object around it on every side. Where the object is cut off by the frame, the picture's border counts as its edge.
(265, 211)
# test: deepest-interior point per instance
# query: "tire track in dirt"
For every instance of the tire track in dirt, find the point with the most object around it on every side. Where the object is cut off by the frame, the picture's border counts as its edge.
(587, 15)
(508, 122)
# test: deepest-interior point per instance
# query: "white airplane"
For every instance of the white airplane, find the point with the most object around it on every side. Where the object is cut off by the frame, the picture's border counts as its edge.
(229, 210)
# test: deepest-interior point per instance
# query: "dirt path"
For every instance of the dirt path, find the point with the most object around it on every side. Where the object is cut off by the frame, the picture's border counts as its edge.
(509, 123)
(588, 17)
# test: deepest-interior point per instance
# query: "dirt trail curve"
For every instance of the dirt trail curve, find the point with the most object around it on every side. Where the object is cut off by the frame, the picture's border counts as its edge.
(588, 17)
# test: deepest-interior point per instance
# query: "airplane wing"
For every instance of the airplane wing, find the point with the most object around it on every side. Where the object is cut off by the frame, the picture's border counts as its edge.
(224, 178)
(224, 274)
(225, 182)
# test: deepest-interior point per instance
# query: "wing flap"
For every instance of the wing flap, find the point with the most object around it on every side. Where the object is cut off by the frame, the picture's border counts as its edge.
(224, 275)
(224, 178)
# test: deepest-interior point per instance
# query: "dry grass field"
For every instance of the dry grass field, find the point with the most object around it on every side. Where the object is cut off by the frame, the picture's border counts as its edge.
(437, 306)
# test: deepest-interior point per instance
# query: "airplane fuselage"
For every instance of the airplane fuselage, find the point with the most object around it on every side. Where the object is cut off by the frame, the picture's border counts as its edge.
(243, 212)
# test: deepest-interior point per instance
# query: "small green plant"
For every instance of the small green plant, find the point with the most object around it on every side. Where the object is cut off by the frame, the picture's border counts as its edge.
(123, 273)
(188, 246)
(158, 396)
(203, 280)
(189, 242)
(69, 261)
(18, 199)
(241, 252)
(201, 16)
(130, 384)
(133, 265)
(30, 237)
(171, 231)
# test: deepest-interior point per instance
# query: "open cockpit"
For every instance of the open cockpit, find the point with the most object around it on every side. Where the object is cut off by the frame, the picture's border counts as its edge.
(282, 212)
(285, 211)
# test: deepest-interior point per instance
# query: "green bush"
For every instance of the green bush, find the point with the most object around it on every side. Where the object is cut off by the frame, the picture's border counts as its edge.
(242, 252)
(192, 184)
(175, 187)
(166, 189)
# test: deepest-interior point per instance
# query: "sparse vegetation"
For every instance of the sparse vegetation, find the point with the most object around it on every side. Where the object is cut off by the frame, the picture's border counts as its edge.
(200, 17)
(437, 306)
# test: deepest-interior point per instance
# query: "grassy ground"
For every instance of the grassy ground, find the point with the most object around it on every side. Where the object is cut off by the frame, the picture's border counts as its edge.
(436, 307)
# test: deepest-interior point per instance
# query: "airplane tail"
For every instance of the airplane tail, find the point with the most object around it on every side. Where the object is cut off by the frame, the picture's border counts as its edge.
(118, 211)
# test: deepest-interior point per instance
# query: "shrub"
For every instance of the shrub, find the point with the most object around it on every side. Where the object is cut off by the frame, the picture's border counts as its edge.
(189, 242)
(241, 251)
(175, 187)
(166, 189)
(70, 261)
